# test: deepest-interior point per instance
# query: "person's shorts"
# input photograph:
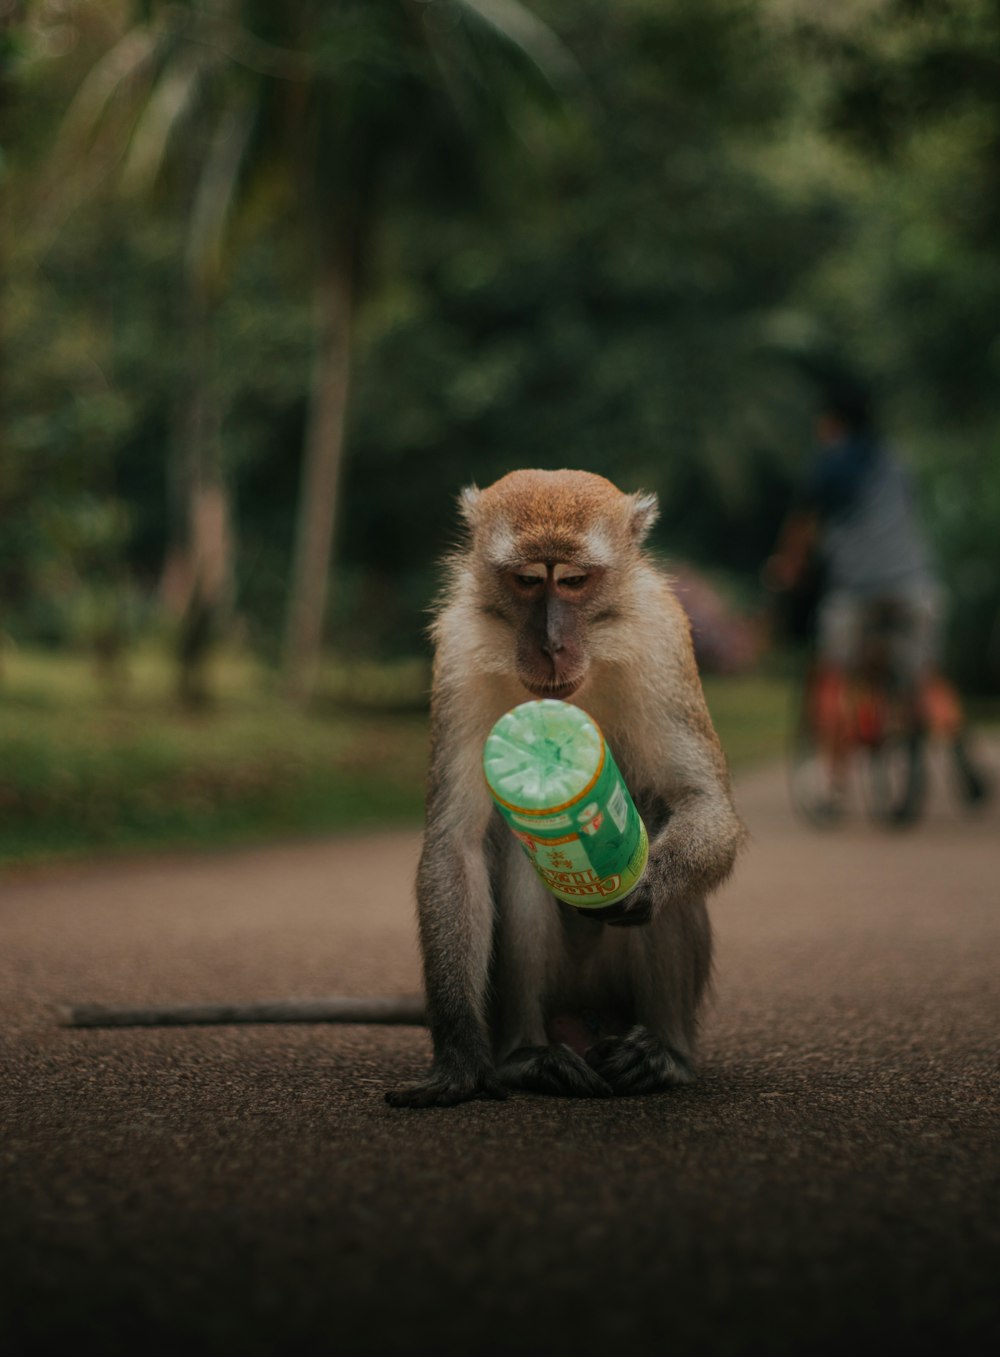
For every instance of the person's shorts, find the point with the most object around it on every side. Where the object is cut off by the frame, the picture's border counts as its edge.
(906, 623)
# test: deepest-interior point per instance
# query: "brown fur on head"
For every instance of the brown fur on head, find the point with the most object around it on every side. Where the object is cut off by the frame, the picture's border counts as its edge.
(548, 548)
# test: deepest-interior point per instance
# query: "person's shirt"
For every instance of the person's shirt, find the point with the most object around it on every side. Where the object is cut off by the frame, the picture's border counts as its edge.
(870, 537)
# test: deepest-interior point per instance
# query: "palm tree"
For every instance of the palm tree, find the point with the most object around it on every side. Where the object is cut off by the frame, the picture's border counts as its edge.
(351, 104)
(129, 128)
(406, 86)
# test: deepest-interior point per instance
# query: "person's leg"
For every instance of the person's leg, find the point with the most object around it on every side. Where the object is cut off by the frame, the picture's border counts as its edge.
(940, 705)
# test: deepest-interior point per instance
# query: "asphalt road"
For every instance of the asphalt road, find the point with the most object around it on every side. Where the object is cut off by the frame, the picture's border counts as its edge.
(831, 1179)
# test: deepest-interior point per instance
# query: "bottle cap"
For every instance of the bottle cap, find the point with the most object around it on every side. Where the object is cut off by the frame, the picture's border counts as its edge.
(543, 756)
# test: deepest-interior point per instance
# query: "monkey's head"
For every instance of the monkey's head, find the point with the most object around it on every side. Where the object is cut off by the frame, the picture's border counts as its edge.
(551, 553)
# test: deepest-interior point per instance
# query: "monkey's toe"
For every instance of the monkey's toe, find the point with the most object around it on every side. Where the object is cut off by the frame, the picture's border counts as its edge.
(638, 1062)
(557, 1070)
(445, 1091)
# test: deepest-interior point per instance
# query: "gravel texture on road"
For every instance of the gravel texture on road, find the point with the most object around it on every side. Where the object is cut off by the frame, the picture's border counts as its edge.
(830, 1180)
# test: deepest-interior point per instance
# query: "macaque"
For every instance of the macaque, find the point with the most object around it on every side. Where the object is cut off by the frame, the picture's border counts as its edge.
(552, 595)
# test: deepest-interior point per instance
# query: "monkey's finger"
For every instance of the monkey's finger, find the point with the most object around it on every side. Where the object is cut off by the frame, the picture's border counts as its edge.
(438, 1092)
(602, 916)
(638, 1062)
(625, 917)
(642, 914)
(557, 1070)
(637, 909)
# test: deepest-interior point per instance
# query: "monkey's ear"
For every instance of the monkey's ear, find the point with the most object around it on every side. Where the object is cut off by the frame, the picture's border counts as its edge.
(644, 511)
(467, 500)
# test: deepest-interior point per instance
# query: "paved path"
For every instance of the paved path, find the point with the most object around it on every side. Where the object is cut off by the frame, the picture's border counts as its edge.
(832, 1177)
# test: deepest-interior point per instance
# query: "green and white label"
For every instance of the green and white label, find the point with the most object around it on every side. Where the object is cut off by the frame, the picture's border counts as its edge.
(556, 784)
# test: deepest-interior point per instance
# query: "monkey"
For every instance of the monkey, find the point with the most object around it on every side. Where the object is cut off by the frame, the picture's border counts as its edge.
(551, 593)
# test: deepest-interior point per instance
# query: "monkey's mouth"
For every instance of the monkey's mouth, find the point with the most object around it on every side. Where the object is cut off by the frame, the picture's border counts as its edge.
(557, 690)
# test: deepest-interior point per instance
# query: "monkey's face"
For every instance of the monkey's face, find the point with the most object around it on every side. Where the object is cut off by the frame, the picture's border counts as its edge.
(550, 557)
(549, 603)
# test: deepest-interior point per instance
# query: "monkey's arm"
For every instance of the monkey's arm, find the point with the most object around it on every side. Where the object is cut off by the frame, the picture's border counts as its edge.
(455, 912)
(693, 850)
(696, 848)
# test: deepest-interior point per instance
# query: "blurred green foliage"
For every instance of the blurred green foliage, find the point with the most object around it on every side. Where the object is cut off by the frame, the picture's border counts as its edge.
(84, 771)
(638, 274)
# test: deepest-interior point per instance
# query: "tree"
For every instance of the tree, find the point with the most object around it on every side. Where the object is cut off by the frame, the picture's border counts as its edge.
(911, 100)
(135, 125)
(342, 106)
(398, 90)
(636, 319)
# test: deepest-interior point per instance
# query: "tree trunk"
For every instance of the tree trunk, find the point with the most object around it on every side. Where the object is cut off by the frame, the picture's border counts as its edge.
(198, 573)
(320, 482)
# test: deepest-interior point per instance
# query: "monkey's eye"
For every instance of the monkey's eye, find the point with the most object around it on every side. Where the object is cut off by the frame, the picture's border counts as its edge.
(572, 581)
(528, 581)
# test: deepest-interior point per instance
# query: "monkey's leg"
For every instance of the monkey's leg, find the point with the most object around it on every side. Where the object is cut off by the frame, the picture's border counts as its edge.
(527, 950)
(668, 966)
(530, 952)
(454, 895)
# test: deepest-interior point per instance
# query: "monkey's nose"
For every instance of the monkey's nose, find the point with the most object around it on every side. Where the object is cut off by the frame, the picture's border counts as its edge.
(552, 646)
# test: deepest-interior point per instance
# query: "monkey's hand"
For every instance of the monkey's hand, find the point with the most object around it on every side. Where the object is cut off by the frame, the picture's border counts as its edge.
(447, 1087)
(636, 908)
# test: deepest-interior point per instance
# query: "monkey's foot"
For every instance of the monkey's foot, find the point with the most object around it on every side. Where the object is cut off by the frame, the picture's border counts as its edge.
(638, 1062)
(553, 1069)
(442, 1089)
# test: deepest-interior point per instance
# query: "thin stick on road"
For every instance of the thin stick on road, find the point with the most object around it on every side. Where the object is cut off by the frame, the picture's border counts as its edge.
(405, 1011)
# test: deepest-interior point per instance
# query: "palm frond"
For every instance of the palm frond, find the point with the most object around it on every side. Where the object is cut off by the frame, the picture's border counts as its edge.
(216, 192)
(539, 43)
(125, 61)
(172, 98)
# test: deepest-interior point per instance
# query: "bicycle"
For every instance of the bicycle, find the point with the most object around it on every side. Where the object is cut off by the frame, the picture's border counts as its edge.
(885, 735)
(881, 739)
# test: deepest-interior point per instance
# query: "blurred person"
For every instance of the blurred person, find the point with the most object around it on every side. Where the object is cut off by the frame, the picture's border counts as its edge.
(853, 537)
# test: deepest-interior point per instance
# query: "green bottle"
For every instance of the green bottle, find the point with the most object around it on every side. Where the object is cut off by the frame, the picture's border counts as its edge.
(555, 783)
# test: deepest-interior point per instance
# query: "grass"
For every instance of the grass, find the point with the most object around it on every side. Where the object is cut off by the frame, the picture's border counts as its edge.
(84, 772)
(751, 715)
